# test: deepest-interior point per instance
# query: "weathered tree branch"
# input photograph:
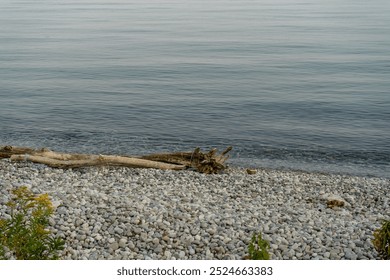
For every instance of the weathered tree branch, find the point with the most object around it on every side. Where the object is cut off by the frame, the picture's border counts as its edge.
(94, 160)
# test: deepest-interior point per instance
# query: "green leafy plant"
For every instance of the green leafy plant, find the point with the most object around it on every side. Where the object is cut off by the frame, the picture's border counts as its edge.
(25, 233)
(258, 248)
(381, 240)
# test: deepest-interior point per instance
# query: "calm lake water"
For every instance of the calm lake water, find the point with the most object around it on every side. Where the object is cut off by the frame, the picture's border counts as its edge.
(301, 84)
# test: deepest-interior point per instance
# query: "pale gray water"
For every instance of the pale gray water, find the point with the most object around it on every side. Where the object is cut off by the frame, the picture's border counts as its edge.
(288, 83)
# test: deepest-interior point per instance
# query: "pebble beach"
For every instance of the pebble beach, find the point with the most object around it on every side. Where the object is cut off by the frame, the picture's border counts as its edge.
(122, 213)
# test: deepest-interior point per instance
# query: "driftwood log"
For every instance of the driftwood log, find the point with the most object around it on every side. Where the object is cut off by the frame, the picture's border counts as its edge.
(208, 163)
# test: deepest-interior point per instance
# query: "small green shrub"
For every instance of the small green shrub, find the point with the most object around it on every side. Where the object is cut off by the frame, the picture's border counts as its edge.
(258, 248)
(381, 240)
(25, 233)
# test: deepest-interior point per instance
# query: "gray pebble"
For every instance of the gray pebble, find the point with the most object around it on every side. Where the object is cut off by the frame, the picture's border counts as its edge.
(114, 246)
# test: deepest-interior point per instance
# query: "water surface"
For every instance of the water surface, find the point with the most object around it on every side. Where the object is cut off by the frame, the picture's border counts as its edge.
(288, 83)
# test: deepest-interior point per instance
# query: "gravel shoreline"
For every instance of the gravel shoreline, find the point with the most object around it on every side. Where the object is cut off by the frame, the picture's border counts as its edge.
(122, 213)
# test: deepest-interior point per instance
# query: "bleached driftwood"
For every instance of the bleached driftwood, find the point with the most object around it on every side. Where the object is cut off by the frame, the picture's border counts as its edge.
(96, 160)
(203, 162)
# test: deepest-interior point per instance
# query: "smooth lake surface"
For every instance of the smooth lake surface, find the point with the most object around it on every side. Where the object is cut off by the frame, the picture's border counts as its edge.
(289, 84)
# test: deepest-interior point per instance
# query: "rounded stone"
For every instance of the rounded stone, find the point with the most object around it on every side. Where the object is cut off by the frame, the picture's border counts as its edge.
(118, 230)
(168, 254)
(182, 254)
(122, 242)
(158, 249)
(114, 246)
